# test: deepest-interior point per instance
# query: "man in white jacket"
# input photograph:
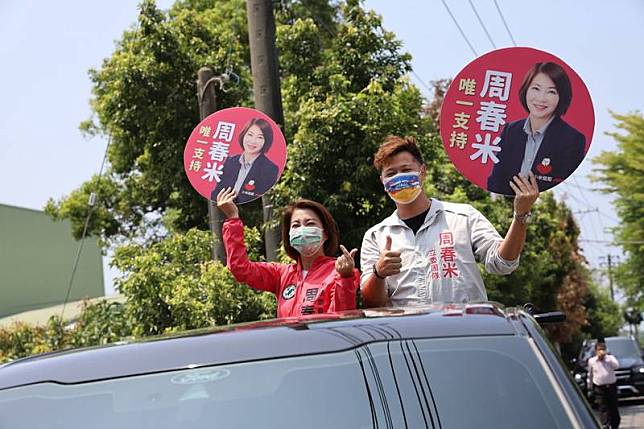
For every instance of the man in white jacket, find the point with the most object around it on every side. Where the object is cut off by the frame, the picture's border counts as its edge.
(426, 251)
(602, 381)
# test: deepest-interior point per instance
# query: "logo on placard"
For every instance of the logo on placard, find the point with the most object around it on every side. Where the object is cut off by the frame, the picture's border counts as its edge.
(250, 186)
(544, 167)
(288, 292)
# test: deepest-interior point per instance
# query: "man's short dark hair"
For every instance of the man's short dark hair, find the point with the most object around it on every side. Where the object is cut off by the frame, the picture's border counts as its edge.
(558, 75)
(392, 146)
(600, 345)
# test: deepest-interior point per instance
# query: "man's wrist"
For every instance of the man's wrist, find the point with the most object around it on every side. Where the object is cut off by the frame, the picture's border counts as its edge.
(375, 273)
(523, 218)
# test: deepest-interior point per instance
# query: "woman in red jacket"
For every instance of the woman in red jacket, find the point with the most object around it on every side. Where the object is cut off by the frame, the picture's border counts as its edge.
(318, 282)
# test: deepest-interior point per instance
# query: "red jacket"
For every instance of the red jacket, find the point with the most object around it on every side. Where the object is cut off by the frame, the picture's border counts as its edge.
(323, 290)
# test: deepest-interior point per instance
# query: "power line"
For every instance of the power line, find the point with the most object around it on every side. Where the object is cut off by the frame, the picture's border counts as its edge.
(616, 243)
(574, 197)
(585, 211)
(576, 185)
(460, 29)
(285, 6)
(422, 82)
(90, 203)
(585, 198)
(505, 23)
(487, 33)
(590, 209)
(607, 216)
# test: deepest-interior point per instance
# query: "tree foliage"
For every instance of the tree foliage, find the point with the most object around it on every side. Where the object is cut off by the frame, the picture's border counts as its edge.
(169, 286)
(99, 323)
(344, 88)
(342, 96)
(622, 173)
(604, 318)
(174, 285)
(144, 99)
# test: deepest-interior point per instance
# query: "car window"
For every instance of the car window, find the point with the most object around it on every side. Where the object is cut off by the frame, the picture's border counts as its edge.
(314, 392)
(483, 382)
(623, 347)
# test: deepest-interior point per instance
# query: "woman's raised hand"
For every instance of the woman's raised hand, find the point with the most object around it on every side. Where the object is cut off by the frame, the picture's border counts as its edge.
(344, 265)
(226, 203)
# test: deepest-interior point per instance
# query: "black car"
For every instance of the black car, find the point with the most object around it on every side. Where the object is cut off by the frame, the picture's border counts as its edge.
(630, 374)
(441, 366)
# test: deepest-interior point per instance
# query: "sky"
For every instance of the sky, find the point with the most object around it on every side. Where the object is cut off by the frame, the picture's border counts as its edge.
(48, 47)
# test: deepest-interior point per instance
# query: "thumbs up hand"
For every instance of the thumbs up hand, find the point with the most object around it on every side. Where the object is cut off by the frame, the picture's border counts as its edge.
(389, 263)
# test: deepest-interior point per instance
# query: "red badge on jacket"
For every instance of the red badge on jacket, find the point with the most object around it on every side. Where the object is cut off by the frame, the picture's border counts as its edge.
(250, 185)
(544, 167)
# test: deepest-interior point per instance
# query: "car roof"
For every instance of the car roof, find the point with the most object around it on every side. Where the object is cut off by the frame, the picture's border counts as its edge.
(262, 340)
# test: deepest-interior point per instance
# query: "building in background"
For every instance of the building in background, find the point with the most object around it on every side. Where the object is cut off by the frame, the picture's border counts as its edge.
(36, 260)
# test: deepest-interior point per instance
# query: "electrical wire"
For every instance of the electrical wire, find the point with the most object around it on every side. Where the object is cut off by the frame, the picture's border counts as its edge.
(505, 23)
(91, 203)
(460, 29)
(487, 33)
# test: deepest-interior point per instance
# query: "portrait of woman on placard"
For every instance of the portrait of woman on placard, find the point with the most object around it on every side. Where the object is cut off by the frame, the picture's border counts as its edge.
(543, 143)
(250, 174)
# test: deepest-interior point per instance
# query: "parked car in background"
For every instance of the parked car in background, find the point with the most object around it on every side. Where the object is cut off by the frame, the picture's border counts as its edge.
(440, 366)
(630, 374)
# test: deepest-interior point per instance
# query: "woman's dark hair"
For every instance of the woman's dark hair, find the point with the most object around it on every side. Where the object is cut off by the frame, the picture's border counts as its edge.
(267, 131)
(328, 225)
(559, 77)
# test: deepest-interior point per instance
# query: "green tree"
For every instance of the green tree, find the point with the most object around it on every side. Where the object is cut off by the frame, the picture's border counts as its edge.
(344, 89)
(622, 173)
(342, 96)
(144, 98)
(173, 285)
(604, 318)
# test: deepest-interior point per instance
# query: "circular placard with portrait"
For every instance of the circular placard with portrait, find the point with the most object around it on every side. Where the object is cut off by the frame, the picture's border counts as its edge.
(237, 148)
(513, 111)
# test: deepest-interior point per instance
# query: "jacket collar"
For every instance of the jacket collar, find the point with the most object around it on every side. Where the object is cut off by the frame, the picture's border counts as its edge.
(435, 208)
(317, 263)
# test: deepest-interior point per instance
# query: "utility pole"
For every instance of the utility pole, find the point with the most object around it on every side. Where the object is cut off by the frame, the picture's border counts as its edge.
(609, 264)
(207, 98)
(266, 89)
(610, 279)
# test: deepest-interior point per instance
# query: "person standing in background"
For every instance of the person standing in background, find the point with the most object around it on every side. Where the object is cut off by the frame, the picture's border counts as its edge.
(602, 381)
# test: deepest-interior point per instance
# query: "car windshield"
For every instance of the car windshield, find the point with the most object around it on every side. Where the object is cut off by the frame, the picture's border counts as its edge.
(619, 347)
(483, 382)
(294, 392)
(622, 347)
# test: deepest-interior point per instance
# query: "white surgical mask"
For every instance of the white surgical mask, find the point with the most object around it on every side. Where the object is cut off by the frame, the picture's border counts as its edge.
(306, 239)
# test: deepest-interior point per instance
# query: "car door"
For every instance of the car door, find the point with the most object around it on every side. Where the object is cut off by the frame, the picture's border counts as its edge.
(484, 382)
